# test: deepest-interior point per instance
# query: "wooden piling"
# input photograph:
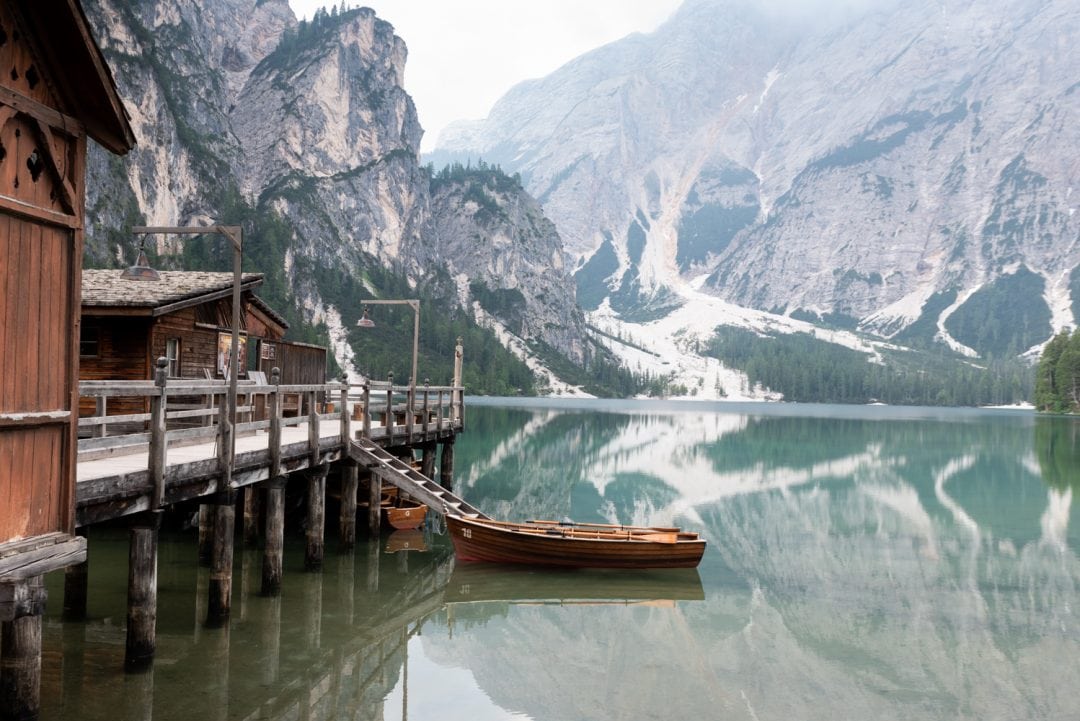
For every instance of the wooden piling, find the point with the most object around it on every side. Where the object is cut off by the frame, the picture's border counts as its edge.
(219, 602)
(251, 516)
(76, 579)
(316, 518)
(20, 655)
(374, 505)
(427, 460)
(206, 534)
(350, 481)
(142, 593)
(273, 549)
(446, 465)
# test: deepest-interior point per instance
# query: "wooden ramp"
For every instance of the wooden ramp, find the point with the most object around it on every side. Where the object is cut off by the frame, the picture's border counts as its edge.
(392, 470)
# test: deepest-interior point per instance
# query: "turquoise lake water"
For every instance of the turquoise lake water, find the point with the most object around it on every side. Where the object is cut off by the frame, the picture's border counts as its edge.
(863, 563)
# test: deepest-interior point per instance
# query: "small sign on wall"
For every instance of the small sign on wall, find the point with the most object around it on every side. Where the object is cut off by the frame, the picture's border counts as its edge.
(224, 348)
(268, 351)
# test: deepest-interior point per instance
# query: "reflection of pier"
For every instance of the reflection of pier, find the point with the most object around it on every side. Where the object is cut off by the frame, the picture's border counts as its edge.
(283, 657)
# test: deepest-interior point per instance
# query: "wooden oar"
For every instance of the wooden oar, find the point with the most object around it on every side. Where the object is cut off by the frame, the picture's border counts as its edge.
(602, 534)
(575, 524)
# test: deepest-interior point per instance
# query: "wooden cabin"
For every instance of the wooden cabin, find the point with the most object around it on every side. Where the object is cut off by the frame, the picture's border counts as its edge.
(186, 317)
(55, 91)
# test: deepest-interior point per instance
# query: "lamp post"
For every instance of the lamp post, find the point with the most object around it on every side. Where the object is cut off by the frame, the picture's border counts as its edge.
(235, 234)
(366, 322)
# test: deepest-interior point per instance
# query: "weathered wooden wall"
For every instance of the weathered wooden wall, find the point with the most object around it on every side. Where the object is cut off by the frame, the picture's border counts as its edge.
(41, 171)
(299, 363)
(198, 344)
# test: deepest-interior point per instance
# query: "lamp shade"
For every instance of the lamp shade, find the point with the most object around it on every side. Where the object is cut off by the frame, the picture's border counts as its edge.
(141, 270)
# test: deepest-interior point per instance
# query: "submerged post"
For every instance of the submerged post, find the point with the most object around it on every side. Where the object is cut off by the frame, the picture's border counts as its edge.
(316, 518)
(374, 504)
(142, 593)
(20, 649)
(273, 549)
(76, 578)
(219, 602)
(446, 465)
(350, 481)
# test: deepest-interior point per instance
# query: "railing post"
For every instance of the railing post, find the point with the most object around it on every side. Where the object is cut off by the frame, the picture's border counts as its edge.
(313, 427)
(222, 445)
(410, 404)
(158, 439)
(367, 410)
(389, 418)
(275, 423)
(346, 429)
(457, 400)
(427, 408)
(100, 410)
(439, 410)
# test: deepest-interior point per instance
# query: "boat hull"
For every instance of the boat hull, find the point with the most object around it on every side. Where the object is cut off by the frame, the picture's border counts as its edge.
(477, 541)
(405, 518)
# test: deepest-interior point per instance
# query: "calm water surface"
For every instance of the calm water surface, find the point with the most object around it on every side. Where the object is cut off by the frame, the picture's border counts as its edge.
(863, 563)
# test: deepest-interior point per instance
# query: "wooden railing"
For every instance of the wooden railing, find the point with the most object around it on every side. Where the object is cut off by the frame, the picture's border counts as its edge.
(382, 410)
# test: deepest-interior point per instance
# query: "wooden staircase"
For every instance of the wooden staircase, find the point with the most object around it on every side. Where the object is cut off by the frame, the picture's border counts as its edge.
(417, 485)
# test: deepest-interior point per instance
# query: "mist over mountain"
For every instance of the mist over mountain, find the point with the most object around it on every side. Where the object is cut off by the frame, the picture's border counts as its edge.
(905, 170)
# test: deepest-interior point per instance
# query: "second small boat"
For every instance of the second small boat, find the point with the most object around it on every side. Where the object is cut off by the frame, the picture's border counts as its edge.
(404, 515)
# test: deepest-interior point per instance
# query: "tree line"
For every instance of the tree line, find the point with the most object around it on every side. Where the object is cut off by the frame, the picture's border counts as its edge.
(1057, 378)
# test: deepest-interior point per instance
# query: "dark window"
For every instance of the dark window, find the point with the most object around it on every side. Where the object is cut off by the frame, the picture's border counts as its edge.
(89, 340)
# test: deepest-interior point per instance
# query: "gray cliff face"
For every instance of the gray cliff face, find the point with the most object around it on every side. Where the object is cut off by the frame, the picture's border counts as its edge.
(853, 163)
(507, 257)
(303, 132)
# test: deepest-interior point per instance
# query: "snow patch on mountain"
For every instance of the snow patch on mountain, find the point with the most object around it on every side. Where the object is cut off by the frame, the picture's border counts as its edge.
(671, 346)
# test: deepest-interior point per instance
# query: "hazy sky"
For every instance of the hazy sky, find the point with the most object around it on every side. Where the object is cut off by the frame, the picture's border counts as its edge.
(464, 54)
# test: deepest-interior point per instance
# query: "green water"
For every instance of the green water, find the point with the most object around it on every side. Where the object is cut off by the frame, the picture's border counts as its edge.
(863, 563)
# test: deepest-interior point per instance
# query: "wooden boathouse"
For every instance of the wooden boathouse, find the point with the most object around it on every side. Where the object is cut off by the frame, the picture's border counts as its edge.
(55, 90)
(186, 318)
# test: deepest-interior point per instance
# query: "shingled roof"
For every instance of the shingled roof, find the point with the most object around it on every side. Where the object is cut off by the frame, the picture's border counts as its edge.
(176, 289)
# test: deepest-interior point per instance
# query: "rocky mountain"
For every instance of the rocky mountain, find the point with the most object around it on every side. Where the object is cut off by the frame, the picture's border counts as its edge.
(302, 131)
(906, 170)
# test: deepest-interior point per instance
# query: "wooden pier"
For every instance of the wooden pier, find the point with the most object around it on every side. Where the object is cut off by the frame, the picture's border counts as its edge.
(135, 466)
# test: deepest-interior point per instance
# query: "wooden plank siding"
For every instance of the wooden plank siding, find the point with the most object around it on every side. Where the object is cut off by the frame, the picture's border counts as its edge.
(42, 168)
(36, 315)
(198, 345)
(121, 355)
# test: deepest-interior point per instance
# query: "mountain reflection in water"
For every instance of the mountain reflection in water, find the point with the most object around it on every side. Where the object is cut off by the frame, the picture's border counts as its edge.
(869, 563)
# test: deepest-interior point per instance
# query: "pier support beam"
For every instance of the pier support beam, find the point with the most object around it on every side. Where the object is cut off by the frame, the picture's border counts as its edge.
(316, 518)
(76, 579)
(219, 602)
(142, 593)
(375, 505)
(427, 460)
(446, 465)
(350, 481)
(273, 549)
(206, 534)
(251, 516)
(20, 650)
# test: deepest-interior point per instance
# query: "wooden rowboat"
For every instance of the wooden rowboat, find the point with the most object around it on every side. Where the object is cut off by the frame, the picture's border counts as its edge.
(404, 515)
(573, 545)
